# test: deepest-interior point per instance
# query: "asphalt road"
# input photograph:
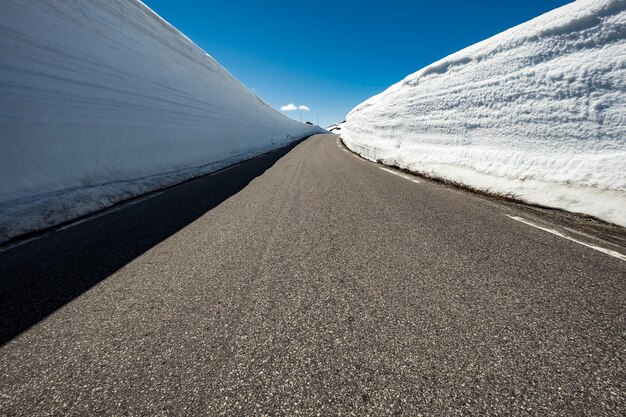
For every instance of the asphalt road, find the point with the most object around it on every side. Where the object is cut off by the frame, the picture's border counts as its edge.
(309, 281)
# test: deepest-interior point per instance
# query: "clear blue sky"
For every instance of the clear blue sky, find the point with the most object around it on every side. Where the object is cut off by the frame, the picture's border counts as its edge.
(332, 55)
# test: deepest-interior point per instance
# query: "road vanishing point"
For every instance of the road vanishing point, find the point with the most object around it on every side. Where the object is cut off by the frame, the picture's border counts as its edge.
(311, 281)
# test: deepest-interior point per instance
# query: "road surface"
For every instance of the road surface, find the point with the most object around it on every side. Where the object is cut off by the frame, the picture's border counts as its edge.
(311, 281)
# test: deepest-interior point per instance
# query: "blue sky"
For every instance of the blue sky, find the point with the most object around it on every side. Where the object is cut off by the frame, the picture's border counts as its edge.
(332, 55)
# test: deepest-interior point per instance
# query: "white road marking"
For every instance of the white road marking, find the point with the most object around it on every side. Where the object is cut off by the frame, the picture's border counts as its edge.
(116, 207)
(19, 243)
(559, 234)
(109, 210)
(88, 218)
(225, 169)
(406, 177)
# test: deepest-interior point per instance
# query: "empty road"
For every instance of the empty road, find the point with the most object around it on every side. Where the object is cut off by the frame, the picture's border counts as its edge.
(310, 281)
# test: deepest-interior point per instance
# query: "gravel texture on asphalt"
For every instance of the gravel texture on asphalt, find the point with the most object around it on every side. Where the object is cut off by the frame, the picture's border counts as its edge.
(311, 282)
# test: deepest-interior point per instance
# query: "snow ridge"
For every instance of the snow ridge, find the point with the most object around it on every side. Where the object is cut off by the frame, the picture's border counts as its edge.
(537, 111)
(104, 100)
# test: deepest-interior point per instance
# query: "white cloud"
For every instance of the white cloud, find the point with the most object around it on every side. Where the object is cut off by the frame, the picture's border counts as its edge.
(292, 107)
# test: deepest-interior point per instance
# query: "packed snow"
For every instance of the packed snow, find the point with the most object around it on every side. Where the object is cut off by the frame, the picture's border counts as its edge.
(336, 127)
(537, 112)
(104, 100)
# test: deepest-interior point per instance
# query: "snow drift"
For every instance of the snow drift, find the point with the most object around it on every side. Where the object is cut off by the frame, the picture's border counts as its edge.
(104, 100)
(538, 111)
(336, 127)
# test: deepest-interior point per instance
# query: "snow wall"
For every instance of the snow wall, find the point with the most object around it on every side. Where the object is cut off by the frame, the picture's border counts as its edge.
(103, 100)
(537, 112)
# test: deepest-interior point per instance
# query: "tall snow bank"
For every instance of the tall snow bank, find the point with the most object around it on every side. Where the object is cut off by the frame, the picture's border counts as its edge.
(104, 100)
(538, 111)
(336, 128)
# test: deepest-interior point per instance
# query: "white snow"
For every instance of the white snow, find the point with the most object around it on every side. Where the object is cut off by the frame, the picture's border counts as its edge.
(538, 112)
(104, 100)
(336, 127)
